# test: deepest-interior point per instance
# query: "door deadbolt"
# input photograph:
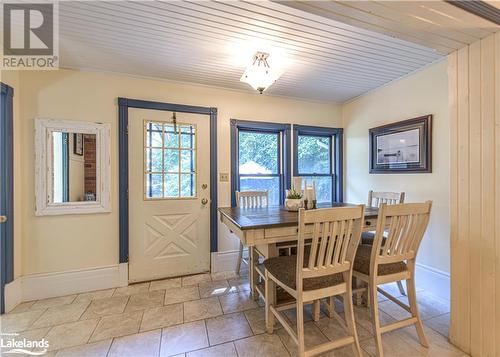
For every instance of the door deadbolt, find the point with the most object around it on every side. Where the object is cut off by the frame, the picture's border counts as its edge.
(204, 186)
(204, 201)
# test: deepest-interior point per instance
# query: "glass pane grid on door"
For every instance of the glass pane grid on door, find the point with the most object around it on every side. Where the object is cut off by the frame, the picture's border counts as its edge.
(169, 160)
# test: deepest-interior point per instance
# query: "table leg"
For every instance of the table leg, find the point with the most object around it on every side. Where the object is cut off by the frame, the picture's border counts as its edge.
(253, 275)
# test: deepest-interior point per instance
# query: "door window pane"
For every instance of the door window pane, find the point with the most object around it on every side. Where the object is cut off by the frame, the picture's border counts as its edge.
(258, 153)
(188, 184)
(154, 187)
(187, 136)
(171, 136)
(313, 154)
(170, 164)
(171, 185)
(153, 135)
(153, 160)
(171, 157)
(187, 161)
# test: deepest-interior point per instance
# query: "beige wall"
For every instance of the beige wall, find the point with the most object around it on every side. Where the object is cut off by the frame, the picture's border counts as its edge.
(58, 243)
(425, 92)
(12, 79)
(474, 73)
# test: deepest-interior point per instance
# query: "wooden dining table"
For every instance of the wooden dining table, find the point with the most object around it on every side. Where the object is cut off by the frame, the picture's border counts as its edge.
(269, 229)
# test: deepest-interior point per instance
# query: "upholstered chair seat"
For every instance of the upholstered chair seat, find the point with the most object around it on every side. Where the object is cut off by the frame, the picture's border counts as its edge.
(367, 238)
(285, 270)
(362, 263)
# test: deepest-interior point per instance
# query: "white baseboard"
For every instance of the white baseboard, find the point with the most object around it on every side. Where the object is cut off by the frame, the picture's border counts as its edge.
(41, 286)
(226, 261)
(13, 294)
(433, 280)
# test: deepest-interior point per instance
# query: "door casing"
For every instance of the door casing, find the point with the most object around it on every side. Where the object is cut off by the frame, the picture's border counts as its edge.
(7, 189)
(123, 105)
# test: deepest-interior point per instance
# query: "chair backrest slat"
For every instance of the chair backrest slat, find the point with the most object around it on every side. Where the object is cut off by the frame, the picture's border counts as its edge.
(375, 199)
(314, 245)
(323, 244)
(252, 199)
(339, 242)
(332, 232)
(344, 247)
(407, 226)
(335, 236)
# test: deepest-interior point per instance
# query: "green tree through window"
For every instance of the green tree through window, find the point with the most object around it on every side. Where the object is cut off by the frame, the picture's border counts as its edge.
(259, 170)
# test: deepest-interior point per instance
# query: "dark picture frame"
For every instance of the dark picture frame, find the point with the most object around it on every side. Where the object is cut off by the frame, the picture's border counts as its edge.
(78, 144)
(402, 147)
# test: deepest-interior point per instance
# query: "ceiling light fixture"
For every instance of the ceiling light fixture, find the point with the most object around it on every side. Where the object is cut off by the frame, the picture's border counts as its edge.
(259, 75)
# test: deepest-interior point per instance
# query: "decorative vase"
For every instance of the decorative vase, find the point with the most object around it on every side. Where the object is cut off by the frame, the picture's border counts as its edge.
(293, 204)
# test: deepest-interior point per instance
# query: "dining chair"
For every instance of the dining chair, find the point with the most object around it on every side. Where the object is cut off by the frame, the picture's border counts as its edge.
(249, 199)
(392, 258)
(322, 270)
(375, 199)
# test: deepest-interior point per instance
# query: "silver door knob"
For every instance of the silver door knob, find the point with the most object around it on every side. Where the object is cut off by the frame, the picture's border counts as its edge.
(204, 201)
(3, 219)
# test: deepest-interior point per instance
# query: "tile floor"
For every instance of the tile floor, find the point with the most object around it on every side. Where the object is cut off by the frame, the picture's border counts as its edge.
(203, 315)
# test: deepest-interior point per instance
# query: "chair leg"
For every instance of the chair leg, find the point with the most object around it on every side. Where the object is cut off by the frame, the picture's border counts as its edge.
(316, 310)
(401, 288)
(412, 298)
(269, 296)
(375, 318)
(331, 306)
(351, 323)
(240, 258)
(358, 297)
(300, 327)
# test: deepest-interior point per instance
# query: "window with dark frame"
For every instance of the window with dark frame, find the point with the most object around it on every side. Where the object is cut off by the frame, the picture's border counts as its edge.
(260, 158)
(318, 158)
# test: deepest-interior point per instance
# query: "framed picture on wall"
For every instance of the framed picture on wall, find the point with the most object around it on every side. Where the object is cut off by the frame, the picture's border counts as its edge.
(402, 147)
(78, 144)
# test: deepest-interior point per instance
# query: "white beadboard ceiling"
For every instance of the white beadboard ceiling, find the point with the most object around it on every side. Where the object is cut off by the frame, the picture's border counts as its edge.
(332, 57)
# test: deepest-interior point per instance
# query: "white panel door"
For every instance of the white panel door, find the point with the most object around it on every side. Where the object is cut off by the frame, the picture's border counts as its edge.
(169, 204)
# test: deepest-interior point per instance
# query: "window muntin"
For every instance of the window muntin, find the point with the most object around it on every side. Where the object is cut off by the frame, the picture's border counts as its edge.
(169, 160)
(259, 163)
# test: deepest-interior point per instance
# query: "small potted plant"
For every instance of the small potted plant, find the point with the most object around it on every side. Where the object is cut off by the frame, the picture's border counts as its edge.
(293, 200)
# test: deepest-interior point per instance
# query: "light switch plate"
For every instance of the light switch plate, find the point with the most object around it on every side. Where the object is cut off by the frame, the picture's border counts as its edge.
(223, 177)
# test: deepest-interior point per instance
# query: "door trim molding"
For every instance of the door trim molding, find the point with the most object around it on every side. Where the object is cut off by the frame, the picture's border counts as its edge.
(7, 188)
(123, 105)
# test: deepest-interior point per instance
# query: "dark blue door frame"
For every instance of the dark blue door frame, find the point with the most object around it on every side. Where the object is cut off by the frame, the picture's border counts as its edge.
(123, 105)
(6, 190)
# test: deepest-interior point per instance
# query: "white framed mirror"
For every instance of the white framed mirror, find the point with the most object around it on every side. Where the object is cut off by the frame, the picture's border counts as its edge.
(73, 167)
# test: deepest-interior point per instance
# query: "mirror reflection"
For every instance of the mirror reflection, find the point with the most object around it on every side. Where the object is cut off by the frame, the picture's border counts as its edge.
(74, 163)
